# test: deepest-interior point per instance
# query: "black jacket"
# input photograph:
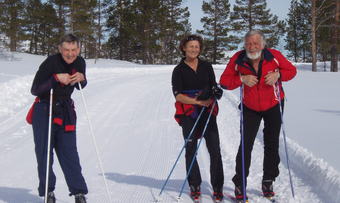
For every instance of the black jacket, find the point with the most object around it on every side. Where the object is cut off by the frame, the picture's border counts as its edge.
(45, 78)
(184, 78)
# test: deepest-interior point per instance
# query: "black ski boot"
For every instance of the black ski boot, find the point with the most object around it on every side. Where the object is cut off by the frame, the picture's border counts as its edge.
(50, 197)
(218, 196)
(80, 198)
(239, 194)
(195, 193)
(267, 188)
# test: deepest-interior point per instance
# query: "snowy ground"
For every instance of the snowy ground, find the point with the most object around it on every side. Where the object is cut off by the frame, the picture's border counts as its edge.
(131, 109)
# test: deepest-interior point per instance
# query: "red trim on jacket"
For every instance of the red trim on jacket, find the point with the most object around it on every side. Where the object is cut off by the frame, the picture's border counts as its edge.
(29, 116)
(56, 78)
(188, 109)
(261, 96)
(58, 121)
(69, 128)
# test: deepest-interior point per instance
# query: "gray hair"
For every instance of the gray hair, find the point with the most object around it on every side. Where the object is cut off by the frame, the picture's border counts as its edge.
(70, 38)
(255, 32)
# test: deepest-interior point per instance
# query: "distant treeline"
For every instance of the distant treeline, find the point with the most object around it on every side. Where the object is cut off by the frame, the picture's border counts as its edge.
(149, 31)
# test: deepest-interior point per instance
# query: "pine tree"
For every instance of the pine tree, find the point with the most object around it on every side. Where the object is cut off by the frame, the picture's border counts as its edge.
(147, 18)
(49, 30)
(327, 31)
(11, 12)
(146, 31)
(62, 8)
(121, 26)
(83, 25)
(253, 14)
(298, 29)
(40, 22)
(216, 30)
(174, 25)
(325, 21)
(292, 39)
(99, 32)
(305, 29)
(33, 19)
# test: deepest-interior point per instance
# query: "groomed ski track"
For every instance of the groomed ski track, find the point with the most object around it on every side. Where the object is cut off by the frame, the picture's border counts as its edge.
(131, 110)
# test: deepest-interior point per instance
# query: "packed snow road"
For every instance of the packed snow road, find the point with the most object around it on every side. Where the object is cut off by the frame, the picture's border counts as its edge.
(131, 110)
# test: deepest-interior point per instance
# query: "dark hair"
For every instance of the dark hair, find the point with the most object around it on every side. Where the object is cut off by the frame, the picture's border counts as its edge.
(70, 38)
(190, 38)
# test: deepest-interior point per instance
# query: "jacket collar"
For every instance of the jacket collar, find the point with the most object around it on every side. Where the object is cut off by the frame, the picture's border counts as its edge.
(242, 58)
(184, 64)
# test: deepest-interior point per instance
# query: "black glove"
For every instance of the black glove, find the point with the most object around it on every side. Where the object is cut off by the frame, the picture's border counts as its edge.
(217, 92)
(204, 95)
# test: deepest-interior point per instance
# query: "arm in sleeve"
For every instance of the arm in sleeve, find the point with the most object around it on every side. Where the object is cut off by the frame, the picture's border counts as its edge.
(176, 82)
(44, 80)
(81, 67)
(212, 78)
(230, 78)
(286, 68)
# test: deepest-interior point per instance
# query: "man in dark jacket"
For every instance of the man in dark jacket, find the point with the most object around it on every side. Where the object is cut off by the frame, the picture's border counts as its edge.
(61, 72)
(261, 70)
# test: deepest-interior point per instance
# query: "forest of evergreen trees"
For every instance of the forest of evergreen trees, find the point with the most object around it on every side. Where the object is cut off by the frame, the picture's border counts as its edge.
(149, 31)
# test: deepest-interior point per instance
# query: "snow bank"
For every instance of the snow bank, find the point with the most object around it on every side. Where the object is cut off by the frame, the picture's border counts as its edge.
(316, 172)
(15, 94)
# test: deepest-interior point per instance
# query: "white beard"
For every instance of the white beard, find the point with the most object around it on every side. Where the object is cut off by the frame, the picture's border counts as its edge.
(254, 56)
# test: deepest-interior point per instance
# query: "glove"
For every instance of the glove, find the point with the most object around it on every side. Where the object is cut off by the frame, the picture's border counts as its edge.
(217, 92)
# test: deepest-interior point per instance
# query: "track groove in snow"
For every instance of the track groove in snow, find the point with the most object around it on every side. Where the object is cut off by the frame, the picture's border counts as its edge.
(132, 115)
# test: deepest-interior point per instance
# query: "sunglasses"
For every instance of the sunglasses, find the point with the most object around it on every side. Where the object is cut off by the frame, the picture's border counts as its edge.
(190, 38)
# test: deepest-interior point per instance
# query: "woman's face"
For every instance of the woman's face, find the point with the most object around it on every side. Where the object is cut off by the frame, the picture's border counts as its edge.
(192, 49)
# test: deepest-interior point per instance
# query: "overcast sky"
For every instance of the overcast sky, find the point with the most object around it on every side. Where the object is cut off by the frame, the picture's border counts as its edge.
(277, 7)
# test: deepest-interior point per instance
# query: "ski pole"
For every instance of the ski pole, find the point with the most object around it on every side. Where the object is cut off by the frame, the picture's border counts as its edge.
(284, 138)
(94, 142)
(185, 144)
(48, 144)
(242, 146)
(195, 155)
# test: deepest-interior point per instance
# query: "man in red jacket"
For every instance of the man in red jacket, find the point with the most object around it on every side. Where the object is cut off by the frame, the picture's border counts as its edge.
(260, 71)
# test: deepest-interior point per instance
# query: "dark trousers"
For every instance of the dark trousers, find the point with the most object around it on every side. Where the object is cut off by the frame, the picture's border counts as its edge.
(64, 144)
(271, 134)
(213, 144)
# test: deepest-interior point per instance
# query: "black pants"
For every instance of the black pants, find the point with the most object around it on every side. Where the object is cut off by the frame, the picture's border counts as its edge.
(213, 144)
(271, 134)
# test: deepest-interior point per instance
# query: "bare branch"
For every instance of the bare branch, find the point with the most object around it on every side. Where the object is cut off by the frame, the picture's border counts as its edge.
(324, 20)
(321, 7)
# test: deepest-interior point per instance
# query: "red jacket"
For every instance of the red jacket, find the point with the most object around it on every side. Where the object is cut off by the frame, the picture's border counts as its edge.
(261, 96)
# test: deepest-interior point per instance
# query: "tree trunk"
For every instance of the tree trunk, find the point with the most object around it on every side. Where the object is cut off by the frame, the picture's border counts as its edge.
(250, 26)
(314, 51)
(99, 35)
(13, 43)
(334, 51)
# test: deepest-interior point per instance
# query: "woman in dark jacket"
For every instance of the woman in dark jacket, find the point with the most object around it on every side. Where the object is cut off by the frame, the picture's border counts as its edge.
(194, 87)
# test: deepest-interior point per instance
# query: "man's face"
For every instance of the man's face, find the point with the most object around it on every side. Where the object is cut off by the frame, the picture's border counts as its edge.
(69, 51)
(253, 46)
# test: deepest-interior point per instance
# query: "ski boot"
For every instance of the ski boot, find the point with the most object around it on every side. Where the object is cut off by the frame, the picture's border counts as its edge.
(267, 189)
(80, 198)
(50, 197)
(239, 194)
(195, 193)
(218, 196)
